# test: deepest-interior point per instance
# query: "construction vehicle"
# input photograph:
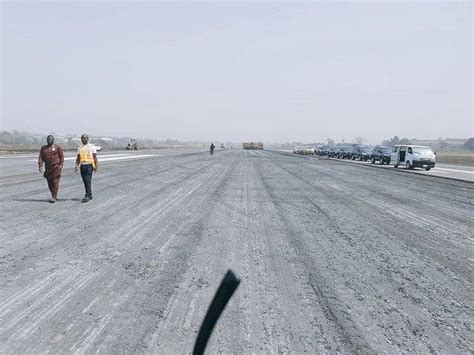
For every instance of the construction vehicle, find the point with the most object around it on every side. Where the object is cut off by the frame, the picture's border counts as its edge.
(252, 146)
(132, 145)
(306, 151)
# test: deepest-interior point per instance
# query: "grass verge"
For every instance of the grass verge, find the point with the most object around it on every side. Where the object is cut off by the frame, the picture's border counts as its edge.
(458, 157)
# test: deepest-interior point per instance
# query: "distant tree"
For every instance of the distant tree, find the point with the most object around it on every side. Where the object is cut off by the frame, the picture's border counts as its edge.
(395, 141)
(469, 144)
(331, 142)
(360, 140)
(171, 142)
(442, 143)
(391, 142)
(6, 138)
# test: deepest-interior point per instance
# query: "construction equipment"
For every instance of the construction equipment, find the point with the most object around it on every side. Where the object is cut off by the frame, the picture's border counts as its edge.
(252, 146)
(132, 145)
(306, 151)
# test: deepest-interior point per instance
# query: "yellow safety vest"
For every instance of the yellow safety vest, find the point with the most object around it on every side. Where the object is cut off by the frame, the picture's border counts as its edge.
(85, 153)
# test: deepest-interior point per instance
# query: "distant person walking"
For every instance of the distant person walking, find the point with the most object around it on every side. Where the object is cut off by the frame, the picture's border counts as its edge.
(52, 156)
(211, 148)
(87, 161)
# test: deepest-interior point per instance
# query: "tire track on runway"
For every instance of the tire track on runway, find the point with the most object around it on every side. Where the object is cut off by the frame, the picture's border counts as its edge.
(178, 320)
(343, 328)
(116, 210)
(438, 219)
(409, 278)
(342, 194)
(176, 259)
(38, 285)
(188, 238)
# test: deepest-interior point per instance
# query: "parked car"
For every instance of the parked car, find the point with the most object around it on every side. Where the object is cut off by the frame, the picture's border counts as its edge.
(332, 152)
(345, 151)
(361, 152)
(381, 154)
(337, 152)
(97, 147)
(324, 150)
(296, 150)
(412, 156)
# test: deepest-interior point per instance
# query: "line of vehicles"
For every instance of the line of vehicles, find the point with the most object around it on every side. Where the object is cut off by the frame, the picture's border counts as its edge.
(409, 156)
(252, 146)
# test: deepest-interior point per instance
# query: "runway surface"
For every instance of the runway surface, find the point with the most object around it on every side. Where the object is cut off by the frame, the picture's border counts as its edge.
(333, 256)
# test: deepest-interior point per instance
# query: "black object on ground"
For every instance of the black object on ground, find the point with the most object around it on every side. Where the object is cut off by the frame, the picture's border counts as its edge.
(224, 293)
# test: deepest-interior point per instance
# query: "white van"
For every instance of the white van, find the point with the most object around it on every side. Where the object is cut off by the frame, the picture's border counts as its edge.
(413, 156)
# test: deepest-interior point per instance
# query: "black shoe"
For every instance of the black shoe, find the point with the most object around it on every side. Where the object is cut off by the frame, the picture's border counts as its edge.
(86, 199)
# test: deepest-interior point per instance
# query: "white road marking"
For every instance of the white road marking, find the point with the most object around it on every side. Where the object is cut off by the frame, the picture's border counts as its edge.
(113, 157)
(17, 156)
(455, 170)
(100, 156)
(127, 157)
(451, 166)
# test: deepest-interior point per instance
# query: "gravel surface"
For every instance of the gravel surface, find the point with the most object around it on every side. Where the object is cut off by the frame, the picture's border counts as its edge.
(333, 257)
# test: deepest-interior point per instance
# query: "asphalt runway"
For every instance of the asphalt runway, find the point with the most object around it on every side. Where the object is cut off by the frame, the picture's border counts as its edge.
(332, 256)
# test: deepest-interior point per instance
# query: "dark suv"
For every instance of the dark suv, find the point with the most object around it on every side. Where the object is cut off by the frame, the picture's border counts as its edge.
(361, 152)
(381, 154)
(324, 150)
(344, 151)
(332, 151)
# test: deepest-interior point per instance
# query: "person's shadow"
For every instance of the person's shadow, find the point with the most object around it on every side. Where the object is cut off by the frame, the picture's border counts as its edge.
(44, 200)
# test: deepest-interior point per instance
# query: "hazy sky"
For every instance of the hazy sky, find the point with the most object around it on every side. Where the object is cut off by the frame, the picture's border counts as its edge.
(270, 71)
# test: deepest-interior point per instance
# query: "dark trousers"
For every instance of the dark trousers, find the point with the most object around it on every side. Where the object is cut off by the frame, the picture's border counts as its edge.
(86, 174)
(53, 184)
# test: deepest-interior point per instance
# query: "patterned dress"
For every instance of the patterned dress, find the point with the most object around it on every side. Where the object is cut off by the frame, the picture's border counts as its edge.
(53, 158)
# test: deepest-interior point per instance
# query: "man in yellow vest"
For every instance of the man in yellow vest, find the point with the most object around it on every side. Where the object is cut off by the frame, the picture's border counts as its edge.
(87, 161)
